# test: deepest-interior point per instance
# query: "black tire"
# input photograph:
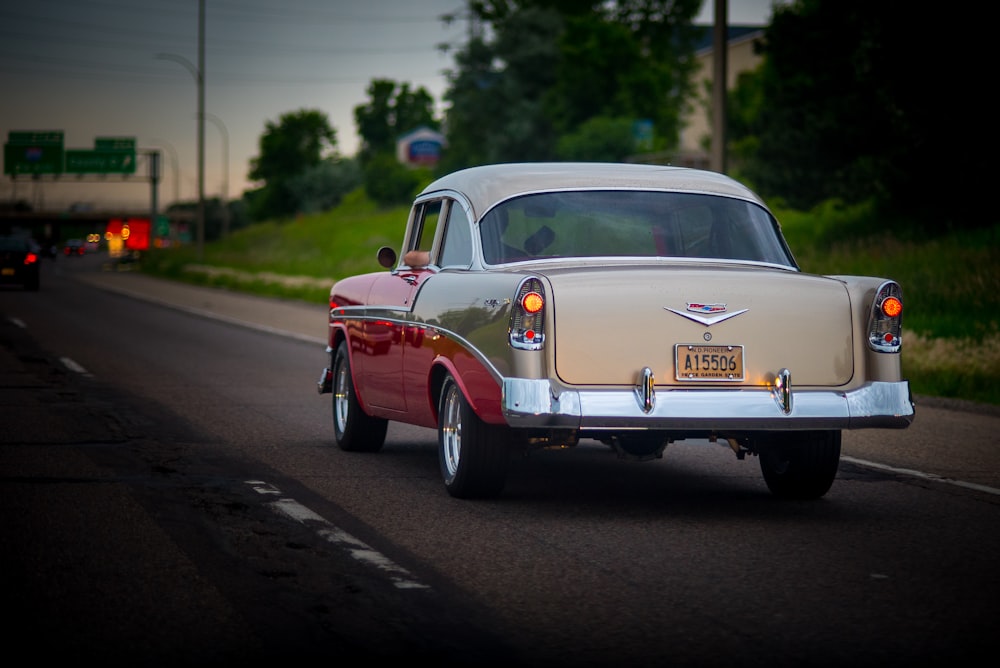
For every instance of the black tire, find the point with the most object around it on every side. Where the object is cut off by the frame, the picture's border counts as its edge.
(356, 431)
(801, 464)
(474, 456)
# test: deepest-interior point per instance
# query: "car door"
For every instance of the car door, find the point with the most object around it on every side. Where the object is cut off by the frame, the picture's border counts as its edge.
(389, 327)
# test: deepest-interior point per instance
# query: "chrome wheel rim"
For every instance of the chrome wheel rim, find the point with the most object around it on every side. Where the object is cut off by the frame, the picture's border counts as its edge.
(340, 404)
(451, 432)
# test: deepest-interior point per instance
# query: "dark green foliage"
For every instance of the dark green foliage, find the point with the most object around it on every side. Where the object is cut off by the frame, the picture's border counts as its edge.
(288, 149)
(855, 102)
(392, 111)
(388, 182)
(600, 139)
(322, 186)
(554, 65)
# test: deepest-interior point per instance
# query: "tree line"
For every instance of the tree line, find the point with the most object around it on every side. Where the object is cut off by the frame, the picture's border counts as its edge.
(854, 101)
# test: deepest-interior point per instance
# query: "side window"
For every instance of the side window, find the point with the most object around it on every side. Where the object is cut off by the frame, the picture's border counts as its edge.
(457, 248)
(426, 226)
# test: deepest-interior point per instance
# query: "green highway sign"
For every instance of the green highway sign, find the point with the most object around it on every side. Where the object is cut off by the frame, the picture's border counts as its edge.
(33, 152)
(80, 161)
(35, 138)
(32, 159)
(115, 144)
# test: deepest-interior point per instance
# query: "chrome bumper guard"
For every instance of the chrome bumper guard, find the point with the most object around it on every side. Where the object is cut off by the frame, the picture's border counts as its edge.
(539, 403)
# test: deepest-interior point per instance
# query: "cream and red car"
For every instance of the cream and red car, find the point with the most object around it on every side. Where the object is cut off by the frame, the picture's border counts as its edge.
(534, 305)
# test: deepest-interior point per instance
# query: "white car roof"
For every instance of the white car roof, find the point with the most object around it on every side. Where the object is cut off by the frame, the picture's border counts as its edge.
(486, 185)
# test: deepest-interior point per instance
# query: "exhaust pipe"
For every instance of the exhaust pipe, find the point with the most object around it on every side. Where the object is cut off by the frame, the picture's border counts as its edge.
(325, 384)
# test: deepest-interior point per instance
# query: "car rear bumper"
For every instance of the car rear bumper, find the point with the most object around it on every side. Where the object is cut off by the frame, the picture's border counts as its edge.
(540, 403)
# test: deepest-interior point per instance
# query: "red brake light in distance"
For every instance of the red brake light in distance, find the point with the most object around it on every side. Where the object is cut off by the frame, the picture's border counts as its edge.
(30, 258)
(892, 307)
(532, 302)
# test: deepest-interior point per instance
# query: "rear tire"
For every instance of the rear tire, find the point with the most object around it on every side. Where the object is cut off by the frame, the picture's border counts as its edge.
(356, 431)
(474, 456)
(800, 464)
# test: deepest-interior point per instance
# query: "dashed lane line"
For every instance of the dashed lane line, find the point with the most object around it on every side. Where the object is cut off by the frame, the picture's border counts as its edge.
(400, 577)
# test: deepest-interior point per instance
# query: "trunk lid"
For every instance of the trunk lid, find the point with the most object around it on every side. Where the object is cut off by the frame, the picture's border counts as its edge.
(611, 322)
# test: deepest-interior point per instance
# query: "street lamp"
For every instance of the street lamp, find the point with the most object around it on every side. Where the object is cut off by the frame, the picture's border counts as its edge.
(199, 78)
(225, 170)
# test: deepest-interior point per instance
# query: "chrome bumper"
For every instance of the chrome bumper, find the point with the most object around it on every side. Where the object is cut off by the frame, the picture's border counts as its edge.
(540, 403)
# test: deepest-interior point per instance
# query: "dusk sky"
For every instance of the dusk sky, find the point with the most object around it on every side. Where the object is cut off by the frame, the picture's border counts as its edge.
(89, 68)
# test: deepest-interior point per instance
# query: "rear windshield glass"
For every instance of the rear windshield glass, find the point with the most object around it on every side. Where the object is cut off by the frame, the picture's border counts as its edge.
(630, 223)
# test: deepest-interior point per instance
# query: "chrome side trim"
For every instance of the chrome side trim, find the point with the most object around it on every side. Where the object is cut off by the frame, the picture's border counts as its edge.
(537, 403)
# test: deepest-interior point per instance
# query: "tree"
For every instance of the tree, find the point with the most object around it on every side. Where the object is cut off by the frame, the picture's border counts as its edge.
(599, 138)
(324, 185)
(846, 105)
(554, 65)
(297, 143)
(392, 110)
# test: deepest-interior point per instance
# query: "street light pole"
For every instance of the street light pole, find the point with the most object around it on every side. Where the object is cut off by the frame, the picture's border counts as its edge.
(225, 170)
(201, 129)
(199, 78)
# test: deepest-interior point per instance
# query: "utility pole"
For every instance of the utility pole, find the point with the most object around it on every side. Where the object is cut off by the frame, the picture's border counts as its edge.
(720, 53)
(201, 129)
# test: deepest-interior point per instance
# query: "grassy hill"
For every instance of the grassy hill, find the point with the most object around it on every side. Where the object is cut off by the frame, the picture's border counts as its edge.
(951, 284)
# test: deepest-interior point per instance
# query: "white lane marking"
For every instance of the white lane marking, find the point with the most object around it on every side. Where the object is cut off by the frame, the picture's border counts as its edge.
(17, 322)
(73, 366)
(920, 474)
(401, 578)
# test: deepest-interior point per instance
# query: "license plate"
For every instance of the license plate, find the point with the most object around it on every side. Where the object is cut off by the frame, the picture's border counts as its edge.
(8, 271)
(694, 361)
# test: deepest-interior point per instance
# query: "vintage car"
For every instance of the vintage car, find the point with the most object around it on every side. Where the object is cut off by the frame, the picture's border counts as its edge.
(534, 305)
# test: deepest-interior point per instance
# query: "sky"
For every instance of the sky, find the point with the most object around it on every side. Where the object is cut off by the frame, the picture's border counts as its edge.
(95, 68)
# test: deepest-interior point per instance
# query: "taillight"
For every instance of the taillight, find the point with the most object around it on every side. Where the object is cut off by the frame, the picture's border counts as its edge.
(885, 325)
(30, 258)
(527, 316)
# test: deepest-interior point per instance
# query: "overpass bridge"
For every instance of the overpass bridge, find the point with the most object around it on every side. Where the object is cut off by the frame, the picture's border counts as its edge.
(54, 227)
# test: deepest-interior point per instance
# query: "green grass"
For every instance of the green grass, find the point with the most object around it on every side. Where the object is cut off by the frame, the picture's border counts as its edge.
(951, 284)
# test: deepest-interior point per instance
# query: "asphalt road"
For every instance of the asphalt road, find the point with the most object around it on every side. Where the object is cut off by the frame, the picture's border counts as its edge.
(170, 495)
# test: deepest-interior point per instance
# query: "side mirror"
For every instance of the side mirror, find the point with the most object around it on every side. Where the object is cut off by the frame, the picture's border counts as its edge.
(387, 257)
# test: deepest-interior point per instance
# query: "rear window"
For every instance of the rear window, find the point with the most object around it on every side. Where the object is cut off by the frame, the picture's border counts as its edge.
(631, 223)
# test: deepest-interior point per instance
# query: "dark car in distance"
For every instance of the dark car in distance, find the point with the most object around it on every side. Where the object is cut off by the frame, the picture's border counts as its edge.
(19, 262)
(74, 248)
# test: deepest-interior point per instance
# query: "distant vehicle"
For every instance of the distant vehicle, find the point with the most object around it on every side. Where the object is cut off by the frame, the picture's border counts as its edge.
(19, 262)
(535, 305)
(74, 247)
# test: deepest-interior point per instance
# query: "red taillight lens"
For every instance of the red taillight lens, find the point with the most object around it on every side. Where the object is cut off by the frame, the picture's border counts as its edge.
(885, 325)
(30, 258)
(532, 302)
(892, 307)
(527, 317)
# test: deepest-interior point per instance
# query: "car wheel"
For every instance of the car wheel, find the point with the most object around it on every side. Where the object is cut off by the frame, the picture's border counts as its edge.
(800, 465)
(356, 431)
(474, 455)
